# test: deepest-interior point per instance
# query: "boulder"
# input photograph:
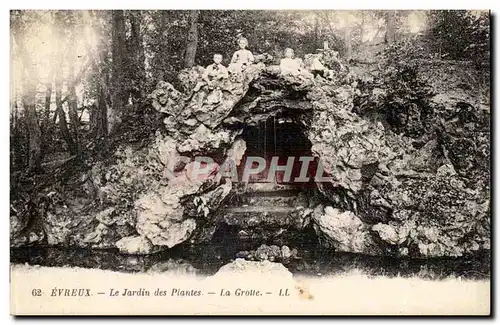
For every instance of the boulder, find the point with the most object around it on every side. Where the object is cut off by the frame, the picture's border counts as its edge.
(136, 245)
(250, 269)
(209, 202)
(271, 253)
(166, 99)
(237, 151)
(388, 234)
(177, 267)
(160, 216)
(343, 231)
(205, 140)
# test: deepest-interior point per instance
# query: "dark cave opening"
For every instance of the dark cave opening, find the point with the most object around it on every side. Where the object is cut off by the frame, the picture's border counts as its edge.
(267, 209)
(278, 148)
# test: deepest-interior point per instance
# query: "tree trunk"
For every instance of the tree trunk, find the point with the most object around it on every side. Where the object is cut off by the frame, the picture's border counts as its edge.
(192, 41)
(316, 30)
(362, 27)
(17, 160)
(72, 99)
(58, 74)
(14, 111)
(161, 24)
(28, 99)
(99, 118)
(74, 119)
(48, 98)
(347, 36)
(45, 121)
(136, 52)
(118, 94)
(63, 124)
(390, 35)
(99, 110)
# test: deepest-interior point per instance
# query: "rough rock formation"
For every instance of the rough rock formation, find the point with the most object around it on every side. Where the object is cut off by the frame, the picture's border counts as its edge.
(404, 190)
(249, 268)
(173, 266)
(135, 245)
(344, 231)
(394, 188)
(271, 253)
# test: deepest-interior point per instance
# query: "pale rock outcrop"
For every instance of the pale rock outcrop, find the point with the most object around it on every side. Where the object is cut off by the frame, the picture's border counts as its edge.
(136, 245)
(343, 231)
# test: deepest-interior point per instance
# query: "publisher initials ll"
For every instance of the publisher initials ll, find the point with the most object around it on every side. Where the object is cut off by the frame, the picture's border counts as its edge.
(284, 292)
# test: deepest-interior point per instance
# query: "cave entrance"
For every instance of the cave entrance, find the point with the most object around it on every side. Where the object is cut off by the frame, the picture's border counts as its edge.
(278, 154)
(276, 173)
(272, 210)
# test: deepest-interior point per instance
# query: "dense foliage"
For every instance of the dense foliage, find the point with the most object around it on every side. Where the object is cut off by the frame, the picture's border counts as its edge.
(458, 35)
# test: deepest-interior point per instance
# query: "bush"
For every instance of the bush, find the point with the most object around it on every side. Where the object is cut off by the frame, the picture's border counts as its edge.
(399, 92)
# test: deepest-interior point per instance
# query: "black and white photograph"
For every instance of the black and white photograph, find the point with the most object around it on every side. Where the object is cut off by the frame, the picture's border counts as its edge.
(250, 162)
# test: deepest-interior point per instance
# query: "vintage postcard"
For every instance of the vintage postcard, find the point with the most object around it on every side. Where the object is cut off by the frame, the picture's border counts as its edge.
(250, 162)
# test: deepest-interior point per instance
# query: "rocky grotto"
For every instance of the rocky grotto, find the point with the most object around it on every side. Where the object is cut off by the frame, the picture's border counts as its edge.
(403, 182)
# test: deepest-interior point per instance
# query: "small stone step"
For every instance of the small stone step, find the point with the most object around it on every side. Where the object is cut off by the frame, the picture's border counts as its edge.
(266, 187)
(279, 193)
(271, 216)
(285, 199)
(261, 209)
